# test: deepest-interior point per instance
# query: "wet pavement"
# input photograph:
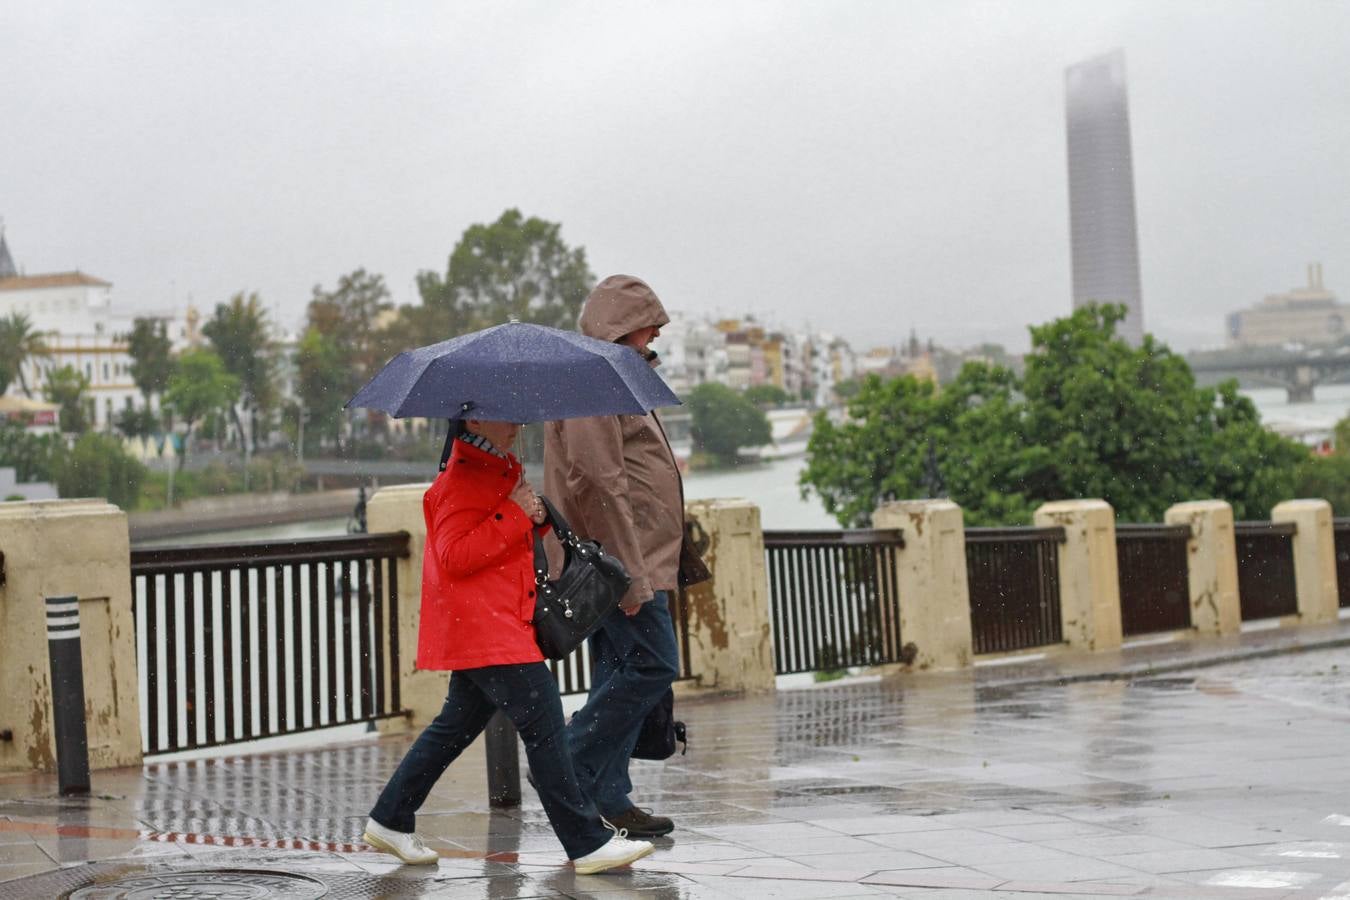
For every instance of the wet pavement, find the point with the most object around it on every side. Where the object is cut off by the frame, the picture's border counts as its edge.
(1071, 775)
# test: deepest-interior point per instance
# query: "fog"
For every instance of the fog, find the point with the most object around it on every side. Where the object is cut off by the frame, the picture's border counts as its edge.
(864, 167)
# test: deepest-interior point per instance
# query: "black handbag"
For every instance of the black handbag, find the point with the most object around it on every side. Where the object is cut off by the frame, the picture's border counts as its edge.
(569, 610)
(660, 730)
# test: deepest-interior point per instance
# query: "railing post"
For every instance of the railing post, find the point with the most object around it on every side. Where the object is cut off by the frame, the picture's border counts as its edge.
(80, 548)
(503, 761)
(1211, 569)
(931, 570)
(63, 647)
(1314, 558)
(730, 641)
(1089, 578)
(399, 508)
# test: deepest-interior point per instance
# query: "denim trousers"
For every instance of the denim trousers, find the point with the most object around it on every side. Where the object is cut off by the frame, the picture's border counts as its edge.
(634, 659)
(528, 694)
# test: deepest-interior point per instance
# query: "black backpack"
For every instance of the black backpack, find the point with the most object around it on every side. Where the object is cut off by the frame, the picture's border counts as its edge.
(660, 731)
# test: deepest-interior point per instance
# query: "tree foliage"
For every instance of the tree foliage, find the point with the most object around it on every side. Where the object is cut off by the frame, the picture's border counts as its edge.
(722, 421)
(151, 355)
(68, 387)
(1092, 417)
(32, 456)
(514, 267)
(18, 343)
(200, 386)
(98, 466)
(763, 395)
(239, 333)
(325, 381)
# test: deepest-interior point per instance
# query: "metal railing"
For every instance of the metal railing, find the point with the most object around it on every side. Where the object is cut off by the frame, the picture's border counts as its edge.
(1013, 579)
(1341, 532)
(1154, 578)
(833, 598)
(237, 642)
(1265, 559)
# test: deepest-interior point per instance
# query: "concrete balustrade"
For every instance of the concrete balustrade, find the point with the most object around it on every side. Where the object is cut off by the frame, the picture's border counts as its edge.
(1314, 558)
(730, 642)
(1089, 580)
(399, 508)
(931, 570)
(61, 548)
(1211, 555)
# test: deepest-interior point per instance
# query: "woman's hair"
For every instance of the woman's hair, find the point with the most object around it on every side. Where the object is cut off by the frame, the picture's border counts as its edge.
(457, 427)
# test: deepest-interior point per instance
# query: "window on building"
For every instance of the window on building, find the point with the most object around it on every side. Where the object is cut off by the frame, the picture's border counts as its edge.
(106, 376)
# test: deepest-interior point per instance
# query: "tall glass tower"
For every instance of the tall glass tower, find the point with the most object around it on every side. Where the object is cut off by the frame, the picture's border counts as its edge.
(1102, 227)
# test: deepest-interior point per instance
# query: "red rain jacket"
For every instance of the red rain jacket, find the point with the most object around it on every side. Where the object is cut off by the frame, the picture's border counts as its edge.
(478, 567)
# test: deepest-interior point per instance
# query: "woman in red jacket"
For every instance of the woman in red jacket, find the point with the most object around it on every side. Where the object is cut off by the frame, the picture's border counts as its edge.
(477, 603)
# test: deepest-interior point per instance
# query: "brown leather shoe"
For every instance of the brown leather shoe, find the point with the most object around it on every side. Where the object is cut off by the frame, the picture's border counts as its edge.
(640, 823)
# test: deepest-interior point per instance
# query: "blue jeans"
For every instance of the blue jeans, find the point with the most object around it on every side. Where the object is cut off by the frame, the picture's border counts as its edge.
(528, 694)
(634, 660)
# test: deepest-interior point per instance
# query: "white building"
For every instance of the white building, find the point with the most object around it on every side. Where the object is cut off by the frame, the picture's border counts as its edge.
(692, 353)
(73, 313)
(1307, 315)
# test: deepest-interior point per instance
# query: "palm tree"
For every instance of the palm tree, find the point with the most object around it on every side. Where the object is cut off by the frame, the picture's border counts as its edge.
(18, 343)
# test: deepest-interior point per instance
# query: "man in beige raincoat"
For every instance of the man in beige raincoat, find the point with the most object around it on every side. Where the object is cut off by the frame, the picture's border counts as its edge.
(615, 480)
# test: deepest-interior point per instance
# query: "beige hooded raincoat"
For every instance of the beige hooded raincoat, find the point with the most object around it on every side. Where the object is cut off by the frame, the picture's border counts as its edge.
(614, 478)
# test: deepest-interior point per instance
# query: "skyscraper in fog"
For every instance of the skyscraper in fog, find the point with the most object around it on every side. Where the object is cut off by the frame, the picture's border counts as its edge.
(1104, 238)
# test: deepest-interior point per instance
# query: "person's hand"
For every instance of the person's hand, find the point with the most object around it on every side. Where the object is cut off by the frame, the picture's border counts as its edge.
(529, 501)
(632, 610)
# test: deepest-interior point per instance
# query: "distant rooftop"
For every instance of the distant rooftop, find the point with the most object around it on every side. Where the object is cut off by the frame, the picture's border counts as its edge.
(52, 280)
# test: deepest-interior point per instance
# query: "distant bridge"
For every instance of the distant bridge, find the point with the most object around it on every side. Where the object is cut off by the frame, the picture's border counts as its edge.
(1298, 372)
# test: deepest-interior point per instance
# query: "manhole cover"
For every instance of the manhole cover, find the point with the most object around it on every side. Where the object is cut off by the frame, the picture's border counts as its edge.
(216, 884)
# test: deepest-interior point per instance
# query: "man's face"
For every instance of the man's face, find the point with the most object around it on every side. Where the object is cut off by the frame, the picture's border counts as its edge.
(639, 339)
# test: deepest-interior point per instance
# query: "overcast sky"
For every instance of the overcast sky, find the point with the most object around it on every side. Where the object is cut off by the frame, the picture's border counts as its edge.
(864, 167)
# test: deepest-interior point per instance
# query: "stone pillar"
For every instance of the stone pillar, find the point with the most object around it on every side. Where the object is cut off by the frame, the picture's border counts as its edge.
(399, 508)
(934, 595)
(1089, 578)
(1314, 558)
(1211, 559)
(67, 547)
(730, 642)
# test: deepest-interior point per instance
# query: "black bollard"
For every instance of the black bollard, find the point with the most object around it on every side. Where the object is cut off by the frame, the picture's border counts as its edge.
(63, 647)
(503, 761)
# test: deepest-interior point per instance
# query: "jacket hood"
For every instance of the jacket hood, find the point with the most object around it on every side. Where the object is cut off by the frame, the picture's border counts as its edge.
(619, 305)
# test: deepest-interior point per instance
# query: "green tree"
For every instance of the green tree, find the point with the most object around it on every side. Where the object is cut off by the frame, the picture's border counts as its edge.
(763, 395)
(98, 466)
(138, 422)
(151, 356)
(351, 317)
(238, 332)
(1091, 417)
(67, 387)
(514, 267)
(200, 385)
(34, 457)
(722, 421)
(18, 344)
(324, 383)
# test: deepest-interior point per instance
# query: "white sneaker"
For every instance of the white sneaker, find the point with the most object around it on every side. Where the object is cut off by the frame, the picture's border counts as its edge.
(618, 852)
(407, 847)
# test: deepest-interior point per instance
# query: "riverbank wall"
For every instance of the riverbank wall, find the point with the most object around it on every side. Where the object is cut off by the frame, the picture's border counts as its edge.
(205, 514)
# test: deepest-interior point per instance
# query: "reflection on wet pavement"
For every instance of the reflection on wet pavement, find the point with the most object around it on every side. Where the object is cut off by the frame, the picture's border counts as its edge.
(1229, 781)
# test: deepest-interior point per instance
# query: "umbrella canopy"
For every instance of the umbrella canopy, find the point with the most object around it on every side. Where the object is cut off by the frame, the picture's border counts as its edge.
(516, 373)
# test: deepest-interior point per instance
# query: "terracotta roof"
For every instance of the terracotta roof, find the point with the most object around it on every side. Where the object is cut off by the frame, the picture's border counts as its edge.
(56, 279)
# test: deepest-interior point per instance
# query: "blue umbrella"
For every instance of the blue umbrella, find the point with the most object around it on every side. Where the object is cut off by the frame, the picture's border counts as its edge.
(516, 373)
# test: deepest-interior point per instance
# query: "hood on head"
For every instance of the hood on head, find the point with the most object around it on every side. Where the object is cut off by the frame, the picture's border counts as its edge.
(619, 305)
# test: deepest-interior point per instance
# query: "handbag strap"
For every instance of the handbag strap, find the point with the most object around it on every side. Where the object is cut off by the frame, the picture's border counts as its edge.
(564, 533)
